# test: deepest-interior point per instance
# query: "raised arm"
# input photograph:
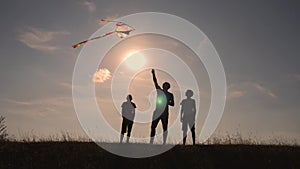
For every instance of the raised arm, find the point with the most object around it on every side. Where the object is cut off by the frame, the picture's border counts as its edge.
(155, 80)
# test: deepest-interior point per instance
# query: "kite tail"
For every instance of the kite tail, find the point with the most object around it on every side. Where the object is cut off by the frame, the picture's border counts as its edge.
(107, 20)
(80, 44)
(88, 40)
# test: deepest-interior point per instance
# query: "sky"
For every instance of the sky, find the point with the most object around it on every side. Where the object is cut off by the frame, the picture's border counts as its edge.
(257, 41)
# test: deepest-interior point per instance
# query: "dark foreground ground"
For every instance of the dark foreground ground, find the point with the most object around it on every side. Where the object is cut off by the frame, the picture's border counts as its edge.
(73, 155)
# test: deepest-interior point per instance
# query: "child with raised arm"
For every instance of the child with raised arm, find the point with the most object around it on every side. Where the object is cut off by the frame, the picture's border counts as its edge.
(161, 113)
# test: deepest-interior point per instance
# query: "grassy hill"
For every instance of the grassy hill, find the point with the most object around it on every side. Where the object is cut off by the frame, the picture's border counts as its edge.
(87, 155)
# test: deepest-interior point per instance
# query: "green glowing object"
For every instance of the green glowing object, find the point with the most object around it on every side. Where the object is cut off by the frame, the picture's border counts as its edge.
(160, 100)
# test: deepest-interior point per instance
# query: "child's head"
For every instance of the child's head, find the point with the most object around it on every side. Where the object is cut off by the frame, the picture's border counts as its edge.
(166, 86)
(129, 97)
(189, 93)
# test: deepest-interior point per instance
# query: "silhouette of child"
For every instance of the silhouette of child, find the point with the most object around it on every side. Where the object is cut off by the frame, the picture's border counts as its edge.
(161, 113)
(128, 112)
(188, 113)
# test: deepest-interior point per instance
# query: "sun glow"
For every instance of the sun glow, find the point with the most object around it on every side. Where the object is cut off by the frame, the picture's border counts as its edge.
(135, 60)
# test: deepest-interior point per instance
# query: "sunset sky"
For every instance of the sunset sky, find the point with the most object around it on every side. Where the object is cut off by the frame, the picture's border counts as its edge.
(257, 41)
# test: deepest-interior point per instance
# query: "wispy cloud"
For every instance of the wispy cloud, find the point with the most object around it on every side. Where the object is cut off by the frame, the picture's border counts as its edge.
(40, 39)
(55, 101)
(236, 94)
(101, 75)
(66, 85)
(41, 107)
(39, 114)
(242, 89)
(295, 77)
(264, 90)
(24, 103)
(90, 6)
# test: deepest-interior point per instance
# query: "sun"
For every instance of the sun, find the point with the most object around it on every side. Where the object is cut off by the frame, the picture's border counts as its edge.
(135, 60)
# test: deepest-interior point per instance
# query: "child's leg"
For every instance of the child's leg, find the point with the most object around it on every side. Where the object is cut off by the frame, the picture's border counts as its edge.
(184, 131)
(153, 128)
(184, 137)
(164, 122)
(123, 129)
(193, 134)
(129, 130)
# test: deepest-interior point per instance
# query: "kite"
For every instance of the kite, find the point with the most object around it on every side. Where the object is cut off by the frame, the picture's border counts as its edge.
(122, 30)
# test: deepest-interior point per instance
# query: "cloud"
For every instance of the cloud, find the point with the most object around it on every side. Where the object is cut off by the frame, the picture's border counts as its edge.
(52, 114)
(66, 85)
(264, 90)
(55, 101)
(90, 6)
(235, 94)
(40, 39)
(101, 75)
(24, 103)
(242, 89)
(41, 107)
(295, 77)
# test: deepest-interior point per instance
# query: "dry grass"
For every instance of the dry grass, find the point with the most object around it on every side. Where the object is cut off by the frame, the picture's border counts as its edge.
(227, 139)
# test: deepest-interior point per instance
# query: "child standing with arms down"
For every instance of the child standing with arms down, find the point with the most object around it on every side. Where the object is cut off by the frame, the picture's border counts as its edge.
(128, 113)
(187, 115)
